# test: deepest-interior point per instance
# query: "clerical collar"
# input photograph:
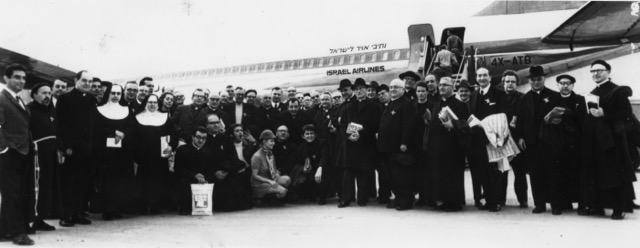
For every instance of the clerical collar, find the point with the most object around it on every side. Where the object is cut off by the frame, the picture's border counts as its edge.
(537, 92)
(464, 101)
(214, 109)
(565, 96)
(197, 148)
(603, 82)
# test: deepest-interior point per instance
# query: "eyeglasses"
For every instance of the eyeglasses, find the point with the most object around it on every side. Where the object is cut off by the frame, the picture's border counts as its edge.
(564, 83)
(282, 131)
(132, 90)
(179, 97)
(200, 137)
(213, 122)
(116, 93)
(450, 85)
(152, 102)
(597, 71)
(214, 99)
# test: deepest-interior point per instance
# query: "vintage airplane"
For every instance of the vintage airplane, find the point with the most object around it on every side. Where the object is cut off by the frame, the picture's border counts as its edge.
(563, 37)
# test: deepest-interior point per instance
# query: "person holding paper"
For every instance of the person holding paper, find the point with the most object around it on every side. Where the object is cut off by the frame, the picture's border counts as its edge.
(607, 173)
(114, 124)
(194, 164)
(447, 137)
(539, 140)
(359, 146)
(575, 106)
(486, 101)
(155, 141)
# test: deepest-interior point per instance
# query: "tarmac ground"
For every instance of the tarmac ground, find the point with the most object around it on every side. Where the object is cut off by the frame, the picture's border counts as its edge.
(311, 225)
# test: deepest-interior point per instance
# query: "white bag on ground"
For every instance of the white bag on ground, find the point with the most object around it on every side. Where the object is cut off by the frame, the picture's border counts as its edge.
(201, 197)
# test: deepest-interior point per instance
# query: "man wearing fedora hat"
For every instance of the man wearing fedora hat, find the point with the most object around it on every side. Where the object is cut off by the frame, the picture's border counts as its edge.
(510, 81)
(536, 140)
(485, 176)
(607, 173)
(359, 144)
(410, 78)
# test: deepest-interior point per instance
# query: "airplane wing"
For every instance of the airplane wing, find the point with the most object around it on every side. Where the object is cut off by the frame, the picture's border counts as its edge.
(601, 23)
(39, 71)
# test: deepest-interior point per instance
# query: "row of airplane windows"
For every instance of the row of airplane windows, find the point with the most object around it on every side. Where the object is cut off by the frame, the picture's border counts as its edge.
(292, 65)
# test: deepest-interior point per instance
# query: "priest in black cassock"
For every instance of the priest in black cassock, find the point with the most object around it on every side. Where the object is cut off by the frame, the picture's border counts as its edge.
(43, 130)
(194, 164)
(446, 139)
(607, 173)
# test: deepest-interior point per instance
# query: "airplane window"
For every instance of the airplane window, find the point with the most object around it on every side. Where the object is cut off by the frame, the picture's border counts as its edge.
(189, 74)
(352, 59)
(182, 74)
(290, 65)
(385, 56)
(226, 70)
(331, 61)
(310, 63)
(374, 57)
(218, 71)
(211, 72)
(320, 62)
(396, 55)
(300, 64)
(363, 58)
(281, 66)
(341, 61)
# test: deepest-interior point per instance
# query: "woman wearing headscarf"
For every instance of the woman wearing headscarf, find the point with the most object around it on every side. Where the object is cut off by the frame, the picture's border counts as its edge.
(155, 141)
(114, 126)
(265, 178)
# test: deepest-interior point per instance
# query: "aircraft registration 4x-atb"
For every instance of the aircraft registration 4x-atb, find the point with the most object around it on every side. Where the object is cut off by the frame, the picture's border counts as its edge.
(563, 37)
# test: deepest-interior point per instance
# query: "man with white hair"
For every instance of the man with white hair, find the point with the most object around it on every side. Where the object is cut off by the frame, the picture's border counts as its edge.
(395, 142)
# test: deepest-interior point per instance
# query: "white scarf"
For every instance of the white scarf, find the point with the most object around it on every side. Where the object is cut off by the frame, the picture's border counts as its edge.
(155, 119)
(113, 111)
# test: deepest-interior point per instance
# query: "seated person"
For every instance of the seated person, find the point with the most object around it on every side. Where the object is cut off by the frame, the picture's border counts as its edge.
(265, 179)
(284, 150)
(304, 181)
(193, 164)
(233, 190)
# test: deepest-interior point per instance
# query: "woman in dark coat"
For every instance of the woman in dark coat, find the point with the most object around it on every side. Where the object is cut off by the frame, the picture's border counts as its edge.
(113, 127)
(155, 140)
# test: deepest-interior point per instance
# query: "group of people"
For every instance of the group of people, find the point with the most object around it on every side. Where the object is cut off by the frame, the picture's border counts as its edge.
(125, 149)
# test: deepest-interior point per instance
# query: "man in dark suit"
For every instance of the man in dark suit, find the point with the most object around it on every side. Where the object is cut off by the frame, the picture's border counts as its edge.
(75, 112)
(213, 107)
(396, 142)
(294, 119)
(276, 100)
(536, 139)
(242, 113)
(130, 96)
(410, 79)
(187, 117)
(510, 79)
(359, 146)
(15, 155)
(487, 101)
(266, 114)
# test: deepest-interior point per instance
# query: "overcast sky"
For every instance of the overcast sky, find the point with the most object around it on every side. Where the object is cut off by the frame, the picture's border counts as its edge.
(120, 38)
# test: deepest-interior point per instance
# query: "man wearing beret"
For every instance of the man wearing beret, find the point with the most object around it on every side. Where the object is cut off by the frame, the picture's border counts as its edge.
(607, 172)
(410, 78)
(570, 156)
(538, 139)
(510, 80)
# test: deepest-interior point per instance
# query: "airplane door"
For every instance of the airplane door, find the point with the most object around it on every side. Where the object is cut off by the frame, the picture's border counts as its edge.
(421, 45)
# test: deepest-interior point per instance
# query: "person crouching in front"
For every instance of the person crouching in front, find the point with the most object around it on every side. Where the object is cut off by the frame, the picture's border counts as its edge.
(265, 179)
